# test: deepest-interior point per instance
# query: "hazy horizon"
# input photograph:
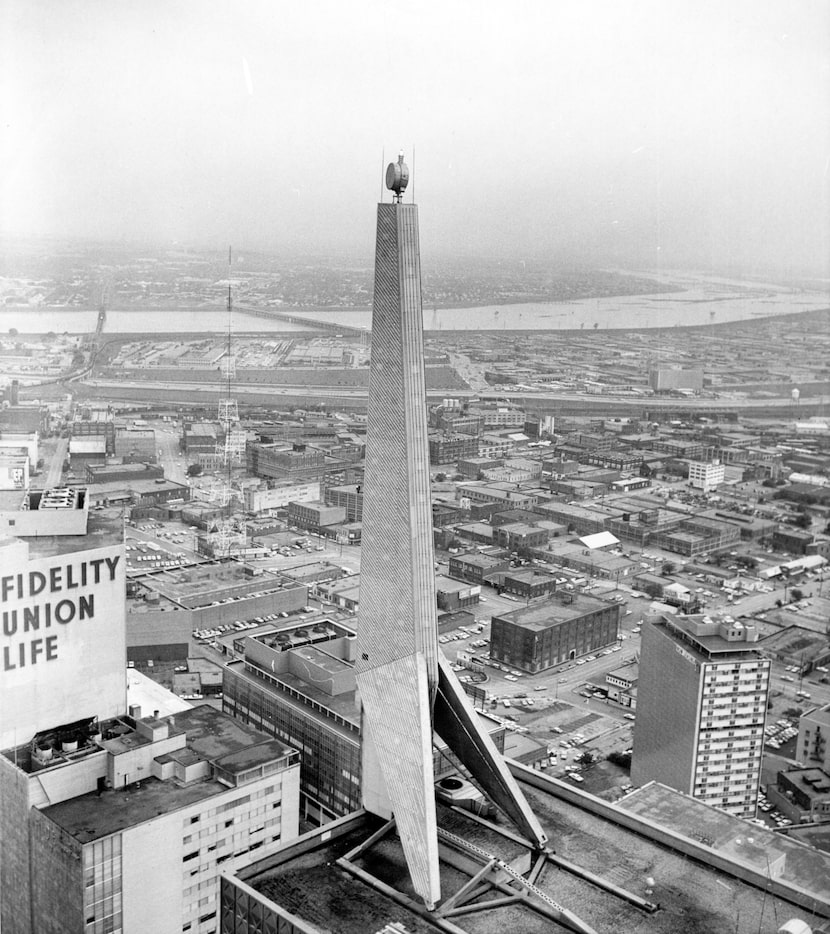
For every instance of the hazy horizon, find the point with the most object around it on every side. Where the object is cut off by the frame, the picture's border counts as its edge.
(643, 134)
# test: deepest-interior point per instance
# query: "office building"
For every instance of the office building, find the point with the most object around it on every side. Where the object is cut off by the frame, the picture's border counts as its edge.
(297, 684)
(315, 517)
(111, 821)
(123, 824)
(701, 708)
(62, 643)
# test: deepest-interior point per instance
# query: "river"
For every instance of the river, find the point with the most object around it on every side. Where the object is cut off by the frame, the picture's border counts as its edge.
(712, 303)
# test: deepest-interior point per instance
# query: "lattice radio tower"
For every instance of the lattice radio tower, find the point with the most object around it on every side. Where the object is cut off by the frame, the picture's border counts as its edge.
(233, 448)
(227, 538)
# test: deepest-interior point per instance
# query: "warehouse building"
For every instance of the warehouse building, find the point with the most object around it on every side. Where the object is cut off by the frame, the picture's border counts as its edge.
(542, 635)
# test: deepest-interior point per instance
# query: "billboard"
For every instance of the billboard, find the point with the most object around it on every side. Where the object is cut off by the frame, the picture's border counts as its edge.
(62, 641)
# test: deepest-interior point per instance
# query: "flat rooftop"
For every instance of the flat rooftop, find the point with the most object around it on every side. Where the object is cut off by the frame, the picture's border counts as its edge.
(329, 663)
(820, 715)
(202, 583)
(90, 816)
(12, 500)
(344, 705)
(693, 897)
(747, 844)
(559, 608)
(101, 532)
(211, 735)
(706, 647)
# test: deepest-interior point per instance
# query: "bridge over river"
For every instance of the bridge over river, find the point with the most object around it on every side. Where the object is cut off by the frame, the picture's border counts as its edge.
(332, 327)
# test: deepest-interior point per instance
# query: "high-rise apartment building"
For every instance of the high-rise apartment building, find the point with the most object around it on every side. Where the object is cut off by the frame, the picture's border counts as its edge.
(701, 708)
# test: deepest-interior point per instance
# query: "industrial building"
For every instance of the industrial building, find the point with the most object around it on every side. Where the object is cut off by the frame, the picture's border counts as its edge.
(350, 497)
(448, 449)
(562, 628)
(475, 568)
(705, 475)
(668, 379)
(315, 517)
(701, 708)
(278, 462)
(278, 494)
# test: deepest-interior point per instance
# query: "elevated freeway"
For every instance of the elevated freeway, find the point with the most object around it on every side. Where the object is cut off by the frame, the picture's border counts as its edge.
(558, 405)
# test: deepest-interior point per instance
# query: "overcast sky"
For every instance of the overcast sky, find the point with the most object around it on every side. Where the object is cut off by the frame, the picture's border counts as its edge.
(654, 133)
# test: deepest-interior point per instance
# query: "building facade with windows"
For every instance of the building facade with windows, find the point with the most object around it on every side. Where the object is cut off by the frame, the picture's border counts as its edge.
(297, 684)
(706, 475)
(814, 738)
(701, 708)
(544, 634)
(124, 825)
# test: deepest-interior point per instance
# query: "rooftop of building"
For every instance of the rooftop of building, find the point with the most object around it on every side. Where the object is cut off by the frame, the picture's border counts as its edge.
(211, 735)
(812, 781)
(141, 486)
(558, 608)
(104, 471)
(708, 645)
(528, 575)
(328, 663)
(819, 715)
(345, 706)
(629, 672)
(692, 895)
(12, 500)
(206, 582)
(596, 557)
(747, 844)
(147, 694)
(479, 560)
(445, 584)
(102, 531)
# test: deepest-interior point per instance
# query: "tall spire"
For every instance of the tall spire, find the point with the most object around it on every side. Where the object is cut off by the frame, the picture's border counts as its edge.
(406, 687)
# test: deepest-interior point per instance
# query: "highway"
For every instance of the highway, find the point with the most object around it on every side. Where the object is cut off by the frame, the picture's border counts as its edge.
(169, 454)
(208, 391)
(52, 470)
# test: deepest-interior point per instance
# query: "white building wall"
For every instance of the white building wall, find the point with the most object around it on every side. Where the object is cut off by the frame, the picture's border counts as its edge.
(171, 865)
(52, 670)
(152, 877)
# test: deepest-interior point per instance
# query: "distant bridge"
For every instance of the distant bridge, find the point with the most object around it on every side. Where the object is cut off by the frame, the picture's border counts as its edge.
(332, 327)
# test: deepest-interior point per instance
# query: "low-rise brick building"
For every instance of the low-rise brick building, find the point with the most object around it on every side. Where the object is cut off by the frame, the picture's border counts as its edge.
(542, 635)
(474, 568)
